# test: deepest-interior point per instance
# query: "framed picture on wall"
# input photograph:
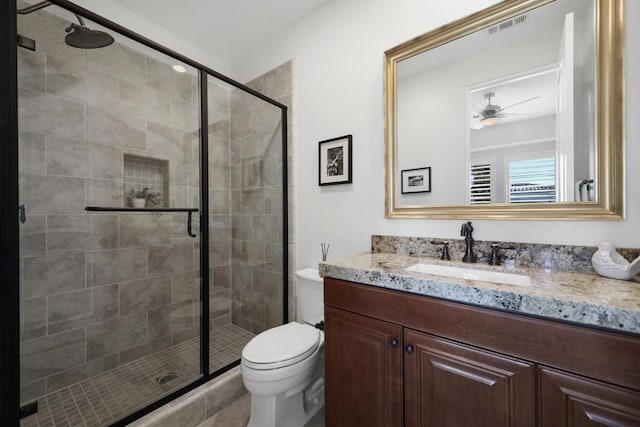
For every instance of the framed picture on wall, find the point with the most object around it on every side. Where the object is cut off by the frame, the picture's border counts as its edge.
(334, 163)
(416, 180)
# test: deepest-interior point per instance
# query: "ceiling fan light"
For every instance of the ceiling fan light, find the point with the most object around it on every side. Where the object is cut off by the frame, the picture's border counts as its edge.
(489, 121)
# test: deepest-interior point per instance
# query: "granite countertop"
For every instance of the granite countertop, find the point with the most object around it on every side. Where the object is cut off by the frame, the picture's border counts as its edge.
(583, 298)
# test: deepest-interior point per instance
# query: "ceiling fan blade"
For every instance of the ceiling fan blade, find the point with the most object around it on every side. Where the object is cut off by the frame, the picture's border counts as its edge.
(513, 114)
(477, 108)
(520, 102)
(477, 125)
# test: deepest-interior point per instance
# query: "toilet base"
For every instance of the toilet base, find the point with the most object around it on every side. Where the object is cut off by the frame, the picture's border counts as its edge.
(287, 411)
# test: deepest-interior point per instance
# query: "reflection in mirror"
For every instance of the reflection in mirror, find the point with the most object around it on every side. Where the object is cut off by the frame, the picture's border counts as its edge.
(513, 141)
(506, 114)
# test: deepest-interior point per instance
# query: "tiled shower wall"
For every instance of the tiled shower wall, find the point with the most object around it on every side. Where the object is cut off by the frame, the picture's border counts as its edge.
(256, 202)
(101, 289)
(219, 203)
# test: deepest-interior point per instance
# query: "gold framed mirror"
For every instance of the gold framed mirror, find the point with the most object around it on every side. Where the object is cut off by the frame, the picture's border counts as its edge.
(583, 124)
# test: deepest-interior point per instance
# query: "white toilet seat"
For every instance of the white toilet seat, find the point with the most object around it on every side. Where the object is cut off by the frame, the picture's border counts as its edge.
(281, 346)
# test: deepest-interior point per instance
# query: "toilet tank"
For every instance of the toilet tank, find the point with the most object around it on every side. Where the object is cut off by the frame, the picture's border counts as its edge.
(310, 296)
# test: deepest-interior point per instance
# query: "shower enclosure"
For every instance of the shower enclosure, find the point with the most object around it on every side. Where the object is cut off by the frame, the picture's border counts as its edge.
(124, 304)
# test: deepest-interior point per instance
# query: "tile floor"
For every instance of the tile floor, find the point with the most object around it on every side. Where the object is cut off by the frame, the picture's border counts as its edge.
(105, 398)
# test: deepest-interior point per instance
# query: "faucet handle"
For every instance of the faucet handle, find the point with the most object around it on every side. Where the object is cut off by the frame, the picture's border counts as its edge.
(445, 249)
(494, 259)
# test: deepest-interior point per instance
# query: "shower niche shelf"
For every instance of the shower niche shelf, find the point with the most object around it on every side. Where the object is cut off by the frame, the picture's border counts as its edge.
(189, 212)
(145, 172)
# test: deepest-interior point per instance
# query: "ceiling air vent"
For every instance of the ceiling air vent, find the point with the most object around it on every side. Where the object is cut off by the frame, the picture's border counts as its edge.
(505, 25)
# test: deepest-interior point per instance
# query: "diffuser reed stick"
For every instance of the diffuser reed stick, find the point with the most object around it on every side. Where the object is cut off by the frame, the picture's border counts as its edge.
(325, 250)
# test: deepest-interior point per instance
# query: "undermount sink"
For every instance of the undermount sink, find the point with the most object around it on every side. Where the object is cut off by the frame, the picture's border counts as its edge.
(471, 274)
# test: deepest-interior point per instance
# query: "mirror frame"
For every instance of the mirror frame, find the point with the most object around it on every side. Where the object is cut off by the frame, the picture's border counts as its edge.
(609, 119)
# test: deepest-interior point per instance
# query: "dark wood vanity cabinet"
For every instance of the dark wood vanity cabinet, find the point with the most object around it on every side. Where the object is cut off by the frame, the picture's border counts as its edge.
(397, 359)
(364, 356)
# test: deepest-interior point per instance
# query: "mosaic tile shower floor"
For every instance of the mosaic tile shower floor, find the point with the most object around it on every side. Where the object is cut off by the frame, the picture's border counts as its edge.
(105, 398)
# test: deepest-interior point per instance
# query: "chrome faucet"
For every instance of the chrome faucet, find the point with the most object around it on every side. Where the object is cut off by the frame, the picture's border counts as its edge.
(467, 231)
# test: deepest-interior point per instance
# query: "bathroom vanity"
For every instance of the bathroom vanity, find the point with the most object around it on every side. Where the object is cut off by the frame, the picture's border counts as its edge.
(417, 349)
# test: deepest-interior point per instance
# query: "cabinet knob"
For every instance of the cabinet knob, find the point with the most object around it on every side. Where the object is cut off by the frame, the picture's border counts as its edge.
(393, 342)
(409, 349)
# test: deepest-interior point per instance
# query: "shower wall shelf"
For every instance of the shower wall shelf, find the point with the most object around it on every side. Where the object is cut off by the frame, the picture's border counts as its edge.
(189, 211)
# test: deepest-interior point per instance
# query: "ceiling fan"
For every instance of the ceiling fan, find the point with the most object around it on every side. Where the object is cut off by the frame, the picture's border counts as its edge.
(489, 114)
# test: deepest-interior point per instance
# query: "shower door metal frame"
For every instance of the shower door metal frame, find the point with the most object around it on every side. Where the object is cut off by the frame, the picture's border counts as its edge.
(9, 199)
(9, 228)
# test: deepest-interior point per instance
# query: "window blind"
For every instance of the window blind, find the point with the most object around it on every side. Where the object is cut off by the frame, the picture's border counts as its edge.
(532, 180)
(480, 191)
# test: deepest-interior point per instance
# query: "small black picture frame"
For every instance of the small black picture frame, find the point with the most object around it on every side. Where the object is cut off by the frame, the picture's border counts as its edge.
(334, 161)
(416, 180)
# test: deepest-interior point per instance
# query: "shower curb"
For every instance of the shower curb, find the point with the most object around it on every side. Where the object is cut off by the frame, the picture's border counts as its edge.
(199, 404)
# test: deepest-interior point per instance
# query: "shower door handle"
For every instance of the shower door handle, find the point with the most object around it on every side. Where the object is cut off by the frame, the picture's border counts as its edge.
(189, 221)
(23, 215)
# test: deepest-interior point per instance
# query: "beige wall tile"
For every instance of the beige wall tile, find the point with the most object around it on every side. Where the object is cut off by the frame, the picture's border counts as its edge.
(67, 157)
(144, 229)
(170, 259)
(119, 61)
(76, 309)
(42, 113)
(185, 286)
(32, 390)
(170, 319)
(115, 335)
(51, 354)
(49, 274)
(143, 295)
(33, 235)
(52, 194)
(113, 266)
(31, 149)
(33, 313)
(110, 128)
(81, 232)
(100, 192)
(31, 70)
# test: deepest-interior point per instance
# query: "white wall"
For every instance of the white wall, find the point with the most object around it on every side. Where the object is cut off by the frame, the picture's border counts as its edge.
(338, 54)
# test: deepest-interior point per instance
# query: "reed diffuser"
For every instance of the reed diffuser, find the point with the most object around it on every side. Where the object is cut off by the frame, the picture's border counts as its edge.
(325, 250)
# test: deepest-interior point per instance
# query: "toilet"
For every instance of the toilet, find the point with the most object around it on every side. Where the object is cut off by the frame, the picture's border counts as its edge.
(283, 367)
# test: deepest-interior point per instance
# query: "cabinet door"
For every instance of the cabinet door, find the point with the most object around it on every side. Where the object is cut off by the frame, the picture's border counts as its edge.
(449, 384)
(572, 401)
(363, 371)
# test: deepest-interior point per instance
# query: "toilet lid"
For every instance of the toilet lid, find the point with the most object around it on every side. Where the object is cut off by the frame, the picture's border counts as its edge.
(286, 343)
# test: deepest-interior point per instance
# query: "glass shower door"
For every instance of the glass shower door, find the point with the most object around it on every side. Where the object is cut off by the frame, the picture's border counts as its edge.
(246, 193)
(110, 289)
